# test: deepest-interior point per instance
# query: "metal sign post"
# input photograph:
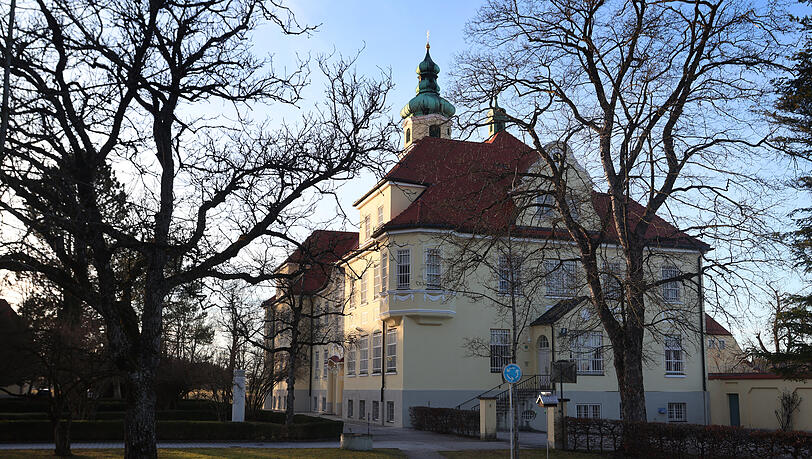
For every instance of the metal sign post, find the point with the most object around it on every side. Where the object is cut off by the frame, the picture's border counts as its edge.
(512, 374)
(547, 400)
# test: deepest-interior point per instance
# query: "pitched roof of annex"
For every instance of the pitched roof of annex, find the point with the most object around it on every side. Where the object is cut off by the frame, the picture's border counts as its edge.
(317, 255)
(712, 327)
(468, 186)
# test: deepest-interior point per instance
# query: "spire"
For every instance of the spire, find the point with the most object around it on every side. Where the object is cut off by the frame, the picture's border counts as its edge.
(428, 100)
(497, 117)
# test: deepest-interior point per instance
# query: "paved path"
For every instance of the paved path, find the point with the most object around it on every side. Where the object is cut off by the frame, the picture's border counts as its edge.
(414, 443)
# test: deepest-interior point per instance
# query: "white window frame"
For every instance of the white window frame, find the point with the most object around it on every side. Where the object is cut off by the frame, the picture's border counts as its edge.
(364, 285)
(587, 351)
(499, 349)
(316, 366)
(671, 291)
(380, 216)
(432, 258)
(674, 355)
(677, 412)
(362, 408)
(561, 278)
(612, 287)
(391, 350)
(390, 411)
(376, 408)
(367, 227)
(509, 275)
(545, 205)
(376, 281)
(588, 410)
(350, 407)
(363, 357)
(384, 271)
(350, 361)
(377, 352)
(326, 364)
(404, 269)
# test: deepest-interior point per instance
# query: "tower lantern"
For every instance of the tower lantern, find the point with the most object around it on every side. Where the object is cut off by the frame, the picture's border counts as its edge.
(427, 114)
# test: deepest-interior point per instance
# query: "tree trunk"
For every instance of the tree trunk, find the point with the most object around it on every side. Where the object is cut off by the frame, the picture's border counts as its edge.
(62, 437)
(291, 383)
(139, 419)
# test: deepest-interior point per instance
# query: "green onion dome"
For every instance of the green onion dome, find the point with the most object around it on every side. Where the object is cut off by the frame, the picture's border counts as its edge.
(428, 100)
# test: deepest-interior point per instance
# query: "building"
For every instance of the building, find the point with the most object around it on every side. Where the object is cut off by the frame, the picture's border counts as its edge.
(452, 233)
(722, 350)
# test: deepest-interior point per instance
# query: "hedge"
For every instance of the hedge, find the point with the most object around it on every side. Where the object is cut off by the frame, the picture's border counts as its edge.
(169, 415)
(445, 420)
(113, 430)
(40, 405)
(679, 440)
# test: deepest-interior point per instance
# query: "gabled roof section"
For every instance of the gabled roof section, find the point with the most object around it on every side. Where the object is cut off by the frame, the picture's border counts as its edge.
(316, 257)
(559, 310)
(468, 184)
(6, 310)
(712, 327)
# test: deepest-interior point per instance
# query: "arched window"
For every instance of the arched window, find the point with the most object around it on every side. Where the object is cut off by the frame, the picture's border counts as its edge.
(408, 135)
(544, 343)
(434, 131)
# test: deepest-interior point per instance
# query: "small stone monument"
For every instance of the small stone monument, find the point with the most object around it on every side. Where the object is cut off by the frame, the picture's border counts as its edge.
(238, 397)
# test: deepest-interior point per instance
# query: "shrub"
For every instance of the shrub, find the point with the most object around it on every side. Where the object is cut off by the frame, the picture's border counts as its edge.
(113, 430)
(684, 440)
(445, 420)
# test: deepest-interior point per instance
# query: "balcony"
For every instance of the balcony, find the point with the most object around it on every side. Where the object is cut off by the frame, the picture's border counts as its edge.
(428, 305)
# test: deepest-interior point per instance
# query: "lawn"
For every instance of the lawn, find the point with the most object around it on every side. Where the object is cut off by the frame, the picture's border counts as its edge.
(525, 453)
(205, 453)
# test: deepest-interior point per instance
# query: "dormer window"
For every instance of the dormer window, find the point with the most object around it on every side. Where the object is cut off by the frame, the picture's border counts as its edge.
(434, 130)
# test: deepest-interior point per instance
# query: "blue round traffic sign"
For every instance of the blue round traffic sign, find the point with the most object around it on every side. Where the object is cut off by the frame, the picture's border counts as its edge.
(512, 373)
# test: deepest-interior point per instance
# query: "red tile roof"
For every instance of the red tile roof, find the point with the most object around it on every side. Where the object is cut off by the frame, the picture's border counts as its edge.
(713, 327)
(319, 252)
(468, 185)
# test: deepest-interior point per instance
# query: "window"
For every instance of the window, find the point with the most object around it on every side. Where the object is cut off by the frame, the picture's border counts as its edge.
(324, 403)
(384, 272)
(721, 344)
(403, 269)
(544, 206)
(433, 268)
(391, 350)
(376, 281)
(674, 363)
(363, 291)
(380, 216)
(316, 367)
(434, 130)
(375, 409)
(377, 349)
(408, 135)
(349, 408)
(363, 366)
(315, 403)
(326, 360)
(573, 205)
(560, 279)
(500, 349)
(612, 288)
(353, 292)
(510, 275)
(671, 290)
(390, 411)
(362, 409)
(367, 227)
(710, 343)
(588, 353)
(351, 361)
(677, 412)
(588, 410)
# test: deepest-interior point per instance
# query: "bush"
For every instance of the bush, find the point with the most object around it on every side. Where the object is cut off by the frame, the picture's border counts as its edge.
(113, 430)
(445, 420)
(684, 440)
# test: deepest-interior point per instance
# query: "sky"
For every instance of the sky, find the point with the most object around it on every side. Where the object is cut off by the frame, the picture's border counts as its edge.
(390, 35)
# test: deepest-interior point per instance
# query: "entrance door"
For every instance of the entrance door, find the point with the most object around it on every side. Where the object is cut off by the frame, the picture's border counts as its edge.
(733, 402)
(543, 351)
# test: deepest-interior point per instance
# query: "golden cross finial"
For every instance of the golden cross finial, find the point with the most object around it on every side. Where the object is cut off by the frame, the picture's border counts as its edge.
(427, 39)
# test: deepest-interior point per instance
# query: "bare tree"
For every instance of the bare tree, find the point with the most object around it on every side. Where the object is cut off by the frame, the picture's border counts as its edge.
(116, 89)
(652, 96)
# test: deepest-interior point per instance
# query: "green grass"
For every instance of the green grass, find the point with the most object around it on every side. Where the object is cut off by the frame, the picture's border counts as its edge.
(206, 453)
(525, 453)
